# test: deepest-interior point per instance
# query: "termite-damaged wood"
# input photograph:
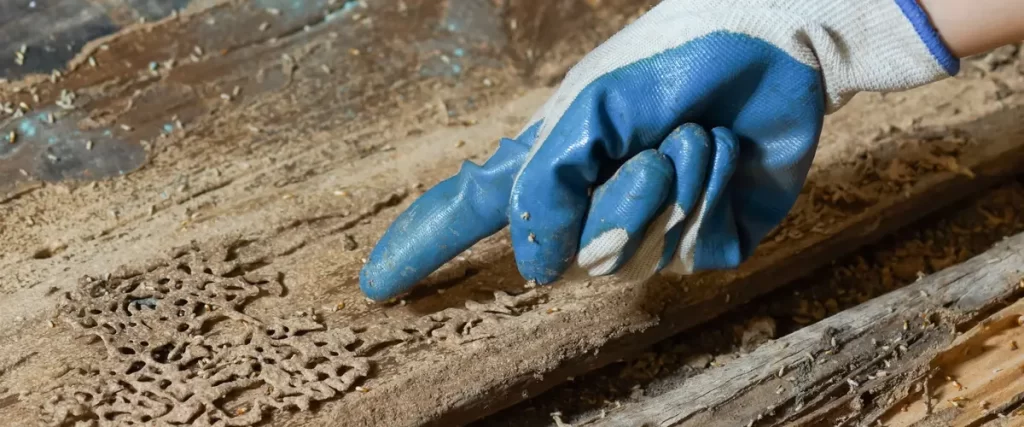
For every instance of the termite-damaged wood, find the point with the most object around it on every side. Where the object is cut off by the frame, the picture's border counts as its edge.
(303, 161)
(875, 362)
(712, 295)
(978, 379)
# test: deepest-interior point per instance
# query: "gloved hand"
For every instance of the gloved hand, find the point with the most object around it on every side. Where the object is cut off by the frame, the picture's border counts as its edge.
(695, 127)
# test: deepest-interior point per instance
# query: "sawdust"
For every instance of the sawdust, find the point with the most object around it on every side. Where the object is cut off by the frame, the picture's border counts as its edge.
(976, 378)
(268, 166)
(950, 237)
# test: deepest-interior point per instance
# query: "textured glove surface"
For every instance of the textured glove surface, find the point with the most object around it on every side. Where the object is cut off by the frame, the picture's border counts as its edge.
(678, 143)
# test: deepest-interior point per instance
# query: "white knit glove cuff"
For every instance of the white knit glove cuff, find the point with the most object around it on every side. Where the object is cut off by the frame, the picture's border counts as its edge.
(872, 45)
(859, 45)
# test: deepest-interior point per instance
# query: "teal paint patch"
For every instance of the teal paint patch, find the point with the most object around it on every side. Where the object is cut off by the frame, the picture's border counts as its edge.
(444, 60)
(52, 32)
(294, 8)
(345, 10)
(60, 151)
(26, 128)
(465, 24)
(476, 21)
(157, 9)
(55, 31)
(286, 17)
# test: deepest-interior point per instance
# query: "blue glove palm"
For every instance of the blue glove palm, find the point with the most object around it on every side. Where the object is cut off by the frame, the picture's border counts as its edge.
(694, 127)
(768, 109)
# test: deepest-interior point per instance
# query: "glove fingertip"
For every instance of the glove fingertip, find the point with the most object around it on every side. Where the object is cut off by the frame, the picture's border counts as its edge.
(621, 210)
(446, 220)
(542, 258)
(376, 285)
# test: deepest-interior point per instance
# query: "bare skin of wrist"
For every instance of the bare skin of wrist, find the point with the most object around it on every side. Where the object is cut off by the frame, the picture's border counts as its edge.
(970, 27)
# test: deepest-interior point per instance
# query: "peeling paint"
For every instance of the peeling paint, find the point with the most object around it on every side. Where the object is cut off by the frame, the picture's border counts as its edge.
(61, 151)
(33, 24)
(465, 24)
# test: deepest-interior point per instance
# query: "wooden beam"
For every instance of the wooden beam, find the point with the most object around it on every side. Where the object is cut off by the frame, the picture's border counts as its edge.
(948, 336)
(711, 295)
(333, 130)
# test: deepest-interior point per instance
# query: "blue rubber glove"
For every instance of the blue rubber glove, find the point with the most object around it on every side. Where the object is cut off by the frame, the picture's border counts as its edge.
(678, 143)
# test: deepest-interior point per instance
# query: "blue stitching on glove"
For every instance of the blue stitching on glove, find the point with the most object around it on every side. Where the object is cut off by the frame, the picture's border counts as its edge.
(929, 35)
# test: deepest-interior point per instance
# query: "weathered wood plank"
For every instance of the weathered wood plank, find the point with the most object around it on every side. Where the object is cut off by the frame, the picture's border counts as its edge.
(333, 130)
(298, 130)
(866, 363)
(977, 380)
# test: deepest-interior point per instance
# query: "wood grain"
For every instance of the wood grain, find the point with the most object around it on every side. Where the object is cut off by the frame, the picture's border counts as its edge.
(337, 127)
(825, 372)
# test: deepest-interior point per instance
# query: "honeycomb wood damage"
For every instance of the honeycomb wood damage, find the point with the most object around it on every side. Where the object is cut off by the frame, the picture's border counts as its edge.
(182, 351)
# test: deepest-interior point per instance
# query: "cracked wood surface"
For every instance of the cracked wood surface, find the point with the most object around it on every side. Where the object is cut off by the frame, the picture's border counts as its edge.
(952, 330)
(335, 126)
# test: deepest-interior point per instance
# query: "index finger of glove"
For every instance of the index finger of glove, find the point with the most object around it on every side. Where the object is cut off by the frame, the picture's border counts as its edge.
(442, 223)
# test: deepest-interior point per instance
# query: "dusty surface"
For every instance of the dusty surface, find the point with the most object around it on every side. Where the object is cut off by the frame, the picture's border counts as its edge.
(859, 366)
(945, 239)
(976, 381)
(284, 153)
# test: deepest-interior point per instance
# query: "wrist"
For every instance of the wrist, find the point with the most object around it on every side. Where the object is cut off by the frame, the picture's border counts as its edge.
(977, 26)
(873, 46)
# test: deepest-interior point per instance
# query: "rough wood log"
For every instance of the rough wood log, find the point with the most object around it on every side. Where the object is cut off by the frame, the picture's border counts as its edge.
(948, 336)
